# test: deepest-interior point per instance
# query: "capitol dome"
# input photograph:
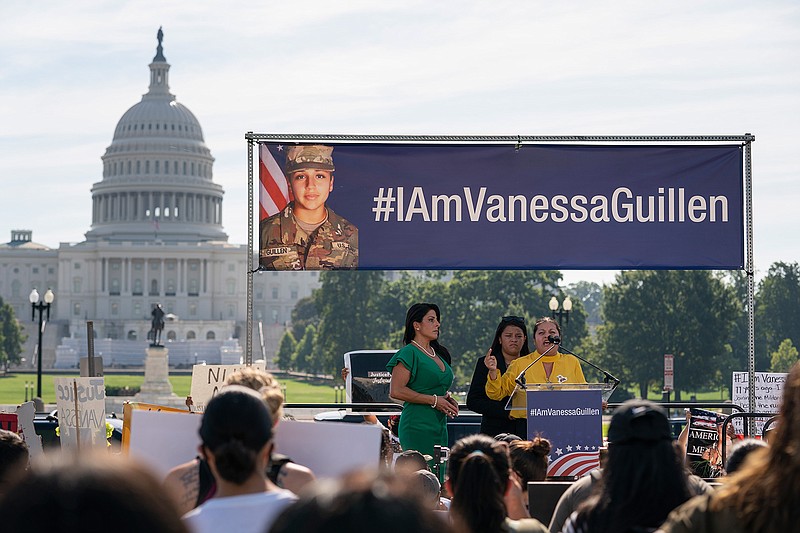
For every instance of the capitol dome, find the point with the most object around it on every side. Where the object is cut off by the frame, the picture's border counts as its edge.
(157, 173)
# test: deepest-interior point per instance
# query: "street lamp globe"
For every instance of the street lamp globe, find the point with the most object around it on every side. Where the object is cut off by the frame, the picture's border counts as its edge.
(553, 304)
(34, 296)
(567, 304)
(49, 296)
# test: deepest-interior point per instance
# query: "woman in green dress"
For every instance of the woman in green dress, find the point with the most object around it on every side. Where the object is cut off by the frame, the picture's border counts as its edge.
(421, 377)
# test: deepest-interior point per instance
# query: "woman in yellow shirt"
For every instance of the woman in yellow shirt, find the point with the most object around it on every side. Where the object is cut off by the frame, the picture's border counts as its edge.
(554, 367)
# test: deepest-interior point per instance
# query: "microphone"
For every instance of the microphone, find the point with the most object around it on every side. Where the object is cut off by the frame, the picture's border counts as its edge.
(554, 339)
(520, 381)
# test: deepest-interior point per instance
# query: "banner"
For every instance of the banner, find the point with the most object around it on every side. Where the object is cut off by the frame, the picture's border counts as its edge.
(572, 421)
(437, 206)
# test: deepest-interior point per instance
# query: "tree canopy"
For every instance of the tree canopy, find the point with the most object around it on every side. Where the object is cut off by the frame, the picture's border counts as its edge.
(685, 313)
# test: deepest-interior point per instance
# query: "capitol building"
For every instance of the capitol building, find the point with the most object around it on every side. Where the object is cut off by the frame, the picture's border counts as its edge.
(156, 237)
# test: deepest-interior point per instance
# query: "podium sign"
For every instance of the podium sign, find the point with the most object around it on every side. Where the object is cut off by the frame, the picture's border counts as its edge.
(572, 421)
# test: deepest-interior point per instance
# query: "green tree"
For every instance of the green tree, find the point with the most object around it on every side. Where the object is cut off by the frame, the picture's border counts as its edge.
(777, 310)
(784, 358)
(350, 316)
(286, 350)
(591, 297)
(304, 313)
(11, 336)
(303, 356)
(473, 303)
(650, 313)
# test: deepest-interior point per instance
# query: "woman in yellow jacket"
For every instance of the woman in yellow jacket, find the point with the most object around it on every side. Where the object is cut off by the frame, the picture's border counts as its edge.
(554, 367)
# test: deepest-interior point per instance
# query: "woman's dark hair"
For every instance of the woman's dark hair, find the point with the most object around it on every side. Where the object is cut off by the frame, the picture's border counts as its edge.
(517, 321)
(67, 496)
(546, 319)
(529, 459)
(359, 501)
(478, 469)
(415, 314)
(235, 428)
(642, 482)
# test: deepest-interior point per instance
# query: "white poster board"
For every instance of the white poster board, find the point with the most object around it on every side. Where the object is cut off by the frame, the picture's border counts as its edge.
(329, 449)
(769, 389)
(208, 379)
(25, 415)
(85, 417)
(163, 439)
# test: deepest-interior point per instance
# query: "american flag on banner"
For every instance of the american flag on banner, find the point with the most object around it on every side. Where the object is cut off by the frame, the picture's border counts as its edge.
(574, 461)
(273, 194)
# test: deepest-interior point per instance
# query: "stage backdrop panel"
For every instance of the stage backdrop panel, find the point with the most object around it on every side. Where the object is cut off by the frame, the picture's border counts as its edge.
(447, 206)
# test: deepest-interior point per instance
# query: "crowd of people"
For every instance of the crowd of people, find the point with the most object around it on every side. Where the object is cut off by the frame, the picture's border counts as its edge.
(239, 483)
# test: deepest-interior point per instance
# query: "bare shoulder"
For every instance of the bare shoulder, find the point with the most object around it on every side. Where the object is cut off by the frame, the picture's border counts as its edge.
(182, 483)
(295, 477)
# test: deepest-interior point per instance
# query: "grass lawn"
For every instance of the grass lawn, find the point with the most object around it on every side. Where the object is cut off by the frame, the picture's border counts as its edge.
(12, 387)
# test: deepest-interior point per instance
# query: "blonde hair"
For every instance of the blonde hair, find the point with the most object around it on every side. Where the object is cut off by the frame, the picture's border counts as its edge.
(265, 384)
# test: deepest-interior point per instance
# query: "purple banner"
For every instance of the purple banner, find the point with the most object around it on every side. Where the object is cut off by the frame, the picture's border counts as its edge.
(440, 206)
(572, 421)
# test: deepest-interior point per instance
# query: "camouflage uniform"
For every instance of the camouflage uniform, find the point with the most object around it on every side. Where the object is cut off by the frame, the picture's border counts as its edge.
(285, 246)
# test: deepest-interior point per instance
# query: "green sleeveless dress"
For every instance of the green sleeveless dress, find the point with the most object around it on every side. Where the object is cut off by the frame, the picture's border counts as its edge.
(421, 426)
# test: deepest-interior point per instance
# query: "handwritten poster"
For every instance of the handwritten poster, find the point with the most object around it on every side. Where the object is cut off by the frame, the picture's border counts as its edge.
(81, 406)
(208, 379)
(769, 389)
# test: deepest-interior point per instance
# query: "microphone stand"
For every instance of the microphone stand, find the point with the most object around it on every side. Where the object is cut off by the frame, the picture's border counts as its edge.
(520, 381)
(608, 377)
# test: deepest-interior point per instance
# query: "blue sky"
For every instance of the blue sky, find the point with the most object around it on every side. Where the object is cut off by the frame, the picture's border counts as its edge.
(68, 71)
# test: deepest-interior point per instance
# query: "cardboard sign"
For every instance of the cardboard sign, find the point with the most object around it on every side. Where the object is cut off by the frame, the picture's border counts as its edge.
(81, 412)
(329, 449)
(769, 389)
(208, 379)
(163, 439)
(25, 415)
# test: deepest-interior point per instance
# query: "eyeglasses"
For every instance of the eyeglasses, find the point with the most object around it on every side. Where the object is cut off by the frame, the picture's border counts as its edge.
(512, 318)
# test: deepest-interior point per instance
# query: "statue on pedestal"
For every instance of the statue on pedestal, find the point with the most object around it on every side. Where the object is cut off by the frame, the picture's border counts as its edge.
(157, 325)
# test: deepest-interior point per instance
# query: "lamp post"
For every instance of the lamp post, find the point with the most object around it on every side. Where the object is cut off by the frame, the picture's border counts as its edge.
(41, 307)
(563, 313)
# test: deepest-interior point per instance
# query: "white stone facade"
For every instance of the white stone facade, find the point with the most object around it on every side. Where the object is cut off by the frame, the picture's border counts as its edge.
(156, 236)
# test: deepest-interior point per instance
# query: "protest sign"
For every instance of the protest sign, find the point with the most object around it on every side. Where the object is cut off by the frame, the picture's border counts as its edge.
(702, 448)
(81, 406)
(329, 449)
(208, 379)
(769, 389)
(25, 415)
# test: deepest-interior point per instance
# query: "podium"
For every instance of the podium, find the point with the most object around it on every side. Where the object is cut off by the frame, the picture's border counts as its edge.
(570, 416)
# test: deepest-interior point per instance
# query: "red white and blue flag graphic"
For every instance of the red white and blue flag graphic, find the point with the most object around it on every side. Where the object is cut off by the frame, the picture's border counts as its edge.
(273, 194)
(572, 421)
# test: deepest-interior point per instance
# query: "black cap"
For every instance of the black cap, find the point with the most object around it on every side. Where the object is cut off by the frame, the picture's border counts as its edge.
(507, 437)
(236, 413)
(639, 420)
